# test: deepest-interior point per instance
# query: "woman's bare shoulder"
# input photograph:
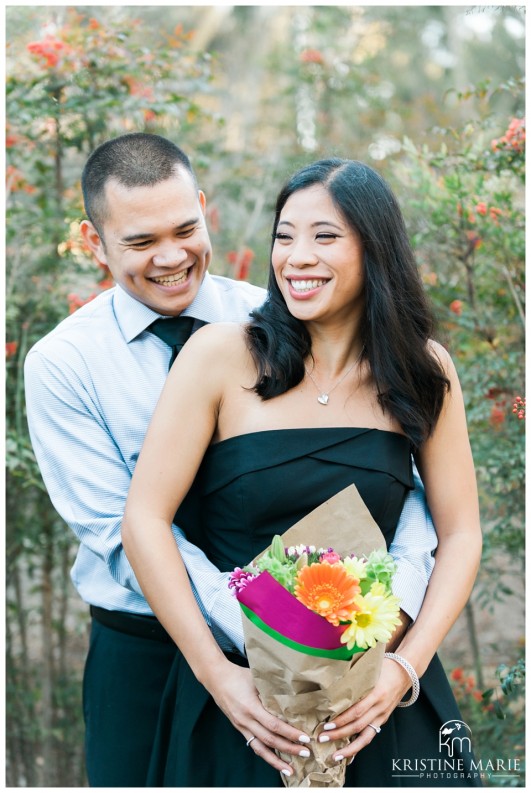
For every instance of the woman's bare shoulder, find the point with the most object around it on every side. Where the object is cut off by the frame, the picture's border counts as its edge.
(217, 341)
(214, 356)
(441, 354)
(216, 334)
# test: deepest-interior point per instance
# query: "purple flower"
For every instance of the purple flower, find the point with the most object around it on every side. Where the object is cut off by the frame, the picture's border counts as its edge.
(239, 579)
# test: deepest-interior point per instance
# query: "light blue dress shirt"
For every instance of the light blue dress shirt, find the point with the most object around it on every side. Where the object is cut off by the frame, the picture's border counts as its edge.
(91, 387)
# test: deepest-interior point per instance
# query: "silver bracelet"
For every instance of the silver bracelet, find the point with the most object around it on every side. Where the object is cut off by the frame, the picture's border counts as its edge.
(415, 685)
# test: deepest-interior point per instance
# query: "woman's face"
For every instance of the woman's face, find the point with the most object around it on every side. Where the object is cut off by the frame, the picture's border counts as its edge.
(317, 259)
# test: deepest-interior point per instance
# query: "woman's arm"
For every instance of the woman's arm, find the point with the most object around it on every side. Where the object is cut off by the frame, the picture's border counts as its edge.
(446, 466)
(181, 429)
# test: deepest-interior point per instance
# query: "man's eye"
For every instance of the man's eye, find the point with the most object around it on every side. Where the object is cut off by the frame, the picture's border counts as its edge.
(140, 245)
(183, 233)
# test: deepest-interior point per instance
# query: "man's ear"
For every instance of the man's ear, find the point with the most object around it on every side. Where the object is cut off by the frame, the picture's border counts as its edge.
(202, 200)
(93, 241)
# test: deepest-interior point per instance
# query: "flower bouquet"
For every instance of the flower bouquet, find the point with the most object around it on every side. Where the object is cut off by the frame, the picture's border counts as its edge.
(316, 618)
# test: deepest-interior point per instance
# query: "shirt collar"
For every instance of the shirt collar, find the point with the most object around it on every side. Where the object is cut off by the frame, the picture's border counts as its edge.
(133, 317)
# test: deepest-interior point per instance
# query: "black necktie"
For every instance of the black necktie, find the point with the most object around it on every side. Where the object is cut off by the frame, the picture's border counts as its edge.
(175, 331)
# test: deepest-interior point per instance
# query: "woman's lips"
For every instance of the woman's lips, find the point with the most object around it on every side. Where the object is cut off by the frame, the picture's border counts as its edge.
(301, 288)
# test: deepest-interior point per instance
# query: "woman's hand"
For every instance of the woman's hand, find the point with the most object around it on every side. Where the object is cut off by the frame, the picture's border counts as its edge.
(236, 695)
(374, 709)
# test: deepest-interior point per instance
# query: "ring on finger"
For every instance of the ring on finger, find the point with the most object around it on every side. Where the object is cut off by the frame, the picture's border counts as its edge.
(376, 729)
(251, 739)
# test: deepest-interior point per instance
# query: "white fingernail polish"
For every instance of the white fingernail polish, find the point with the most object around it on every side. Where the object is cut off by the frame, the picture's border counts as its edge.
(324, 738)
(338, 758)
(329, 725)
(304, 739)
(286, 772)
(304, 753)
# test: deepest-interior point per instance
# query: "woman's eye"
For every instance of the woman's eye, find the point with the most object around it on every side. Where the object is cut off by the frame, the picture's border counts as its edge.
(282, 237)
(326, 236)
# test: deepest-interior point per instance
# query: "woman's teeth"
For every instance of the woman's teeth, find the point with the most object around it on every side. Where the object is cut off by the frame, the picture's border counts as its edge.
(306, 286)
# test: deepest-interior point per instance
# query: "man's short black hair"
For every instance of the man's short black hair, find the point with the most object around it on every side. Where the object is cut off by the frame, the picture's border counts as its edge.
(137, 159)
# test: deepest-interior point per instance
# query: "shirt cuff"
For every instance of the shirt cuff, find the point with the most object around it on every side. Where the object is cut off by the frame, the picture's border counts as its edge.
(217, 604)
(410, 586)
(226, 622)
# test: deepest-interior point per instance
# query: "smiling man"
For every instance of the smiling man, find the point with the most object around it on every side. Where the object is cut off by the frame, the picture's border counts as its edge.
(151, 234)
(91, 387)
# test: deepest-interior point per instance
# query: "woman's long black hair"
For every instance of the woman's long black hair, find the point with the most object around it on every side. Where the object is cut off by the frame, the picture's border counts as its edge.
(398, 321)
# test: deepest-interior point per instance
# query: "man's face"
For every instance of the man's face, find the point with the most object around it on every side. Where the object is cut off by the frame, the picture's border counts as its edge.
(155, 241)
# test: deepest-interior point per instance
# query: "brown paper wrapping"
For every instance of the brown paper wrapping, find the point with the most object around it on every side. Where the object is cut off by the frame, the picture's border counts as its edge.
(306, 690)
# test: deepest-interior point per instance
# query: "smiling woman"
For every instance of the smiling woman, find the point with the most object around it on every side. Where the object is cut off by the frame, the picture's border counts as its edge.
(317, 259)
(254, 448)
(338, 222)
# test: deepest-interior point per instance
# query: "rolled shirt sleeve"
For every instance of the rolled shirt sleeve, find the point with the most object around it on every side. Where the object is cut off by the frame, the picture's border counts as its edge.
(413, 549)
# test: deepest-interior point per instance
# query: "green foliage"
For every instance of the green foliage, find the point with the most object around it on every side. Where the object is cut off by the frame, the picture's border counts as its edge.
(466, 215)
(380, 567)
(464, 203)
(278, 564)
(73, 88)
(496, 717)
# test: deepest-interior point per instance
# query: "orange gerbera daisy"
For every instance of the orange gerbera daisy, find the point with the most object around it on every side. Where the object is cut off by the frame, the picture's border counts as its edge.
(328, 590)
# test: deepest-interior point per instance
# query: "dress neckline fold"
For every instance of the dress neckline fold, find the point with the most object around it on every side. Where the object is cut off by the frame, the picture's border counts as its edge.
(365, 447)
(355, 430)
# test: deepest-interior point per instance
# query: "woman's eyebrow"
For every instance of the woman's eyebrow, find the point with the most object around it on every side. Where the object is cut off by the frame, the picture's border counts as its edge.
(317, 223)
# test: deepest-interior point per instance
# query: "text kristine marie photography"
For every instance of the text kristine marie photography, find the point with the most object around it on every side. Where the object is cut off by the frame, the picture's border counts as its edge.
(455, 737)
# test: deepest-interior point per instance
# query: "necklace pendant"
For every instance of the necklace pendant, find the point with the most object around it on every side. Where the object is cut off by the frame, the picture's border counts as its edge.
(323, 399)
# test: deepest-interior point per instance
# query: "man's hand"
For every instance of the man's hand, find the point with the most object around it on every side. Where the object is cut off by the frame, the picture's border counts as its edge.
(399, 632)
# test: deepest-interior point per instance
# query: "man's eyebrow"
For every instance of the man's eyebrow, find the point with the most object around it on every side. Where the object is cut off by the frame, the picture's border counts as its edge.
(147, 234)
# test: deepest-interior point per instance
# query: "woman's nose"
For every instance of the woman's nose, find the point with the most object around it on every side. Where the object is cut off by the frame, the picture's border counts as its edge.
(301, 255)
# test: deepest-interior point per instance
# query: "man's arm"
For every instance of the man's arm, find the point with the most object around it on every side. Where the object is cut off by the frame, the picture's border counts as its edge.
(216, 601)
(413, 547)
(88, 481)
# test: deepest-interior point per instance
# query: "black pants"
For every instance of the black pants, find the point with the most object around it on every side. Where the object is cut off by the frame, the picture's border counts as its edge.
(125, 677)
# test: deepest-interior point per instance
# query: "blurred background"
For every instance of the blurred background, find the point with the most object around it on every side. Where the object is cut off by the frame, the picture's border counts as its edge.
(433, 98)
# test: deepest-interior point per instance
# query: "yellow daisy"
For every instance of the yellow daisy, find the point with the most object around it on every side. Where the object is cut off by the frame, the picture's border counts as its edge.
(374, 621)
(355, 567)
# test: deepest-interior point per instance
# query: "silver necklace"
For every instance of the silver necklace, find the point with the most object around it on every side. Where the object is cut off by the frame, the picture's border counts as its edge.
(324, 396)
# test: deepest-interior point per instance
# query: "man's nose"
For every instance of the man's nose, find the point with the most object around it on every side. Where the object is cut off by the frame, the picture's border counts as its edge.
(170, 255)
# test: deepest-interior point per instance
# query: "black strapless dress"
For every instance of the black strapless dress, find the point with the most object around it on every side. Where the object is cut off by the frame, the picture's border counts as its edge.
(248, 489)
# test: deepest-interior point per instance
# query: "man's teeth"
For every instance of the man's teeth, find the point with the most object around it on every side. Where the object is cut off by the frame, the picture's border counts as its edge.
(171, 280)
(306, 286)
